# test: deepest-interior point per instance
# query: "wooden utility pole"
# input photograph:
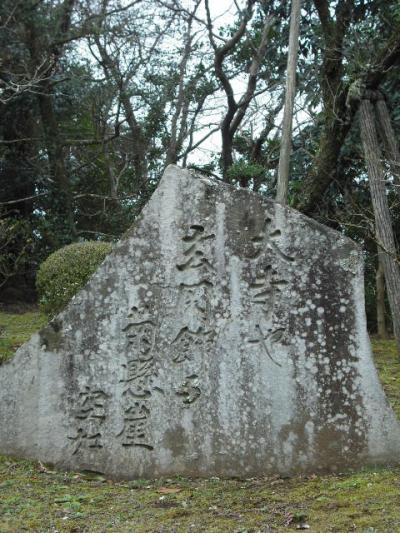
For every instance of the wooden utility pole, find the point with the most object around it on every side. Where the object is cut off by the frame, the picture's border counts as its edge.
(393, 157)
(286, 141)
(383, 223)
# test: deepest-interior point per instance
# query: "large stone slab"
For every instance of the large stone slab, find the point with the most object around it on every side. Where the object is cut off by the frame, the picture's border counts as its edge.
(225, 335)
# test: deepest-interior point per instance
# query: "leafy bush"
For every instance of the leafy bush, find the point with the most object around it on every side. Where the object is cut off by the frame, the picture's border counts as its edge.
(66, 271)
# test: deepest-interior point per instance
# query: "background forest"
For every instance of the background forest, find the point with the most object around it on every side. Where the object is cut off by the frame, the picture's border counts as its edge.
(98, 96)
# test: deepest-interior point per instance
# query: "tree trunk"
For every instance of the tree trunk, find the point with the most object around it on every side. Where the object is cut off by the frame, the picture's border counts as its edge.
(226, 152)
(17, 168)
(56, 155)
(383, 223)
(182, 104)
(389, 138)
(62, 195)
(139, 145)
(324, 168)
(286, 141)
(380, 299)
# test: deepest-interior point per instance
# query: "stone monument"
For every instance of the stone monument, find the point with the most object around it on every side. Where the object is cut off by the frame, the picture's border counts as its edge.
(224, 335)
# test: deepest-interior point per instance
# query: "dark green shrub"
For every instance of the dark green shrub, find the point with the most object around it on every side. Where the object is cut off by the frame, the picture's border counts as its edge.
(66, 271)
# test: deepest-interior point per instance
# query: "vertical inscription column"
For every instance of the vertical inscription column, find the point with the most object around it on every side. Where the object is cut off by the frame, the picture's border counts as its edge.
(196, 334)
(268, 280)
(138, 370)
(90, 415)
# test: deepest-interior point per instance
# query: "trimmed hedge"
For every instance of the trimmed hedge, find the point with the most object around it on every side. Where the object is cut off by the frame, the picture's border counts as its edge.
(66, 271)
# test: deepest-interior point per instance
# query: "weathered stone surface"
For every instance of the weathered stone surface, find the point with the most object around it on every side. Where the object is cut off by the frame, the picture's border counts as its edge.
(225, 335)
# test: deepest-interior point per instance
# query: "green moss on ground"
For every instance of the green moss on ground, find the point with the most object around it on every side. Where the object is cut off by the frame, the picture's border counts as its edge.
(15, 329)
(33, 498)
(388, 364)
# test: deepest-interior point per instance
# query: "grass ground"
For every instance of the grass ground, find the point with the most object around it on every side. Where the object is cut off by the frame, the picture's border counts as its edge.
(33, 498)
(15, 329)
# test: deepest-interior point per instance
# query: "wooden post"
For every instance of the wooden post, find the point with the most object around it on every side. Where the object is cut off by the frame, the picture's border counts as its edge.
(383, 223)
(286, 141)
(380, 299)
